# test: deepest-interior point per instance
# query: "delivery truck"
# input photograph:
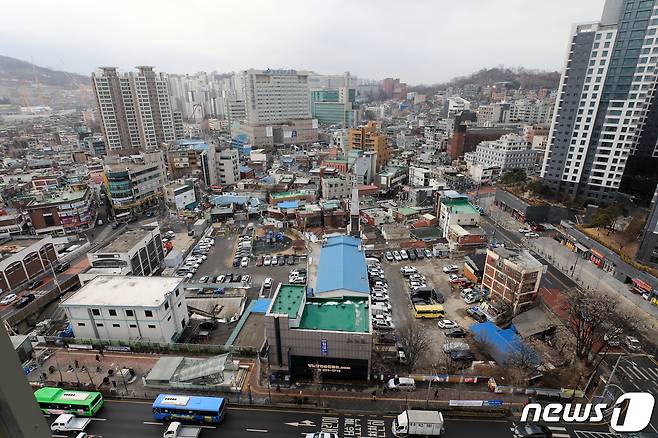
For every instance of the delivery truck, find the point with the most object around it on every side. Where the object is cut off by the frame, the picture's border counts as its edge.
(415, 422)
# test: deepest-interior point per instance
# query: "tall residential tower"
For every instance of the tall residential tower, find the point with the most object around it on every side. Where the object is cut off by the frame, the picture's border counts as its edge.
(135, 110)
(603, 135)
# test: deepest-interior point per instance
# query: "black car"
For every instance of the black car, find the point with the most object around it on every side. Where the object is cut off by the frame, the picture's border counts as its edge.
(291, 260)
(35, 284)
(281, 260)
(208, 325)
(532, 430)
(419, 254)
(411, 254)
(456, 332)
(24, 301)
(63, 267)
(438, 296)
(462, 356)
(419, 300)
(236, 262)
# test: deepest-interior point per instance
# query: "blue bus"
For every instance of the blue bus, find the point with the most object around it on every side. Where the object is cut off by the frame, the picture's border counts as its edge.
(168, 407)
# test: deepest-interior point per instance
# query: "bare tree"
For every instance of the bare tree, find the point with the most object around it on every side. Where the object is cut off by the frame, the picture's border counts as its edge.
(415, 341)
(594, 318)
(523, 362)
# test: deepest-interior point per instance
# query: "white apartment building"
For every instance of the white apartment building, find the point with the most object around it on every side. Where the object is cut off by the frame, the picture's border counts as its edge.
(277, 109)
(603, 134)
(530, 111)
(456, 104)
(228, 166)
(510, 151)
(135, 110)
(199, 96)
(123, 308)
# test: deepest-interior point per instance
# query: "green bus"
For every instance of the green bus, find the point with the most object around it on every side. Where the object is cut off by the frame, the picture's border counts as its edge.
(63, 401)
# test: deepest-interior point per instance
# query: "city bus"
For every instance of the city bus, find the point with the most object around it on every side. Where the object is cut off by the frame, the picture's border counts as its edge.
(429, 311)
(56, 401)
(168, 407)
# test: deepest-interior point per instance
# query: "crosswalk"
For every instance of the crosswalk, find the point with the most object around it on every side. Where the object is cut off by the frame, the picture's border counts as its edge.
(589, 434)
(559, 432)
(639, 376)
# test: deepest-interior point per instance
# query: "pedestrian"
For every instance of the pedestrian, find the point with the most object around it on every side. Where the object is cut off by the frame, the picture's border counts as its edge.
(98, 358)
(436, 394)
(374, 395)
(278, 388)
(101, 352)
(77, 365)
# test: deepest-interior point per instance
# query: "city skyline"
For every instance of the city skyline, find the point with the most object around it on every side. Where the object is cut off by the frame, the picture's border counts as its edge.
(336, 43)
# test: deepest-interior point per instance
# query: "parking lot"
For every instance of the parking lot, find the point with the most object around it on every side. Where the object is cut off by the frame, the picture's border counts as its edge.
(402, 308)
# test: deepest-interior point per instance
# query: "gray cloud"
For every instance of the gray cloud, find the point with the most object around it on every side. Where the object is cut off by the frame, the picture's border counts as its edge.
(418, 41)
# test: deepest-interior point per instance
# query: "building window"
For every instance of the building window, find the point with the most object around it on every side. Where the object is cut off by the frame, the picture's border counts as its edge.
(148, 313)
(96, 312)
(99, 324)
(179, 304)
(166, 305)
(81, 324)
(112, 312)
(151, 325)
(116, 325)
(133, 325)
(130, 313)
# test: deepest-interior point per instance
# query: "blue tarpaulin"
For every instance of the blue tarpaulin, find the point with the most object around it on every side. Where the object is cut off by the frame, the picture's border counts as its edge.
(502, 343)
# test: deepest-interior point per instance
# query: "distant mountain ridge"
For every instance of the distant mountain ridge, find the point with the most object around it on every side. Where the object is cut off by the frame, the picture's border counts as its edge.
(15, 70)
(517, 77)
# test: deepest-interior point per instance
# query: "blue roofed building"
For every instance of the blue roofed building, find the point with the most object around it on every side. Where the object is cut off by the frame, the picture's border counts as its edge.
(339, 268)
(504, 345)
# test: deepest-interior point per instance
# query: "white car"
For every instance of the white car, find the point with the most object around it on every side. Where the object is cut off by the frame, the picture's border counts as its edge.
(8, 299)
(446, 324)
(450, 269)
(267, 261)
(267, 283)
(397, 256)
(246, 279)
(321, 435)
(382, 317)
(244, 262)
(632, 343)
(404, 255)
(524, 230)
(531, 235)
(189, 275)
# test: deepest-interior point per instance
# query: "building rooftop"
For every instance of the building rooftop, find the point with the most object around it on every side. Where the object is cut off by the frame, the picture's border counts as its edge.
(288, 300)
(130, 291)
(462, 207)
(342, 266)
(125, 241)
(522, 259)
(14, 246)
(58, 197)
(343, 315)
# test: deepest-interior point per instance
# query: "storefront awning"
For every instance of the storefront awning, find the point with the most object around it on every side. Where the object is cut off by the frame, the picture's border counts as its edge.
(643, 285)
(581, 247)
(597, 254)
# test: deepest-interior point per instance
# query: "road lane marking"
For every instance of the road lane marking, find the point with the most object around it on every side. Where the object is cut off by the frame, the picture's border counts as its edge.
(562, 429)
(257, 430)
(60, 436)
(98, 419)
(153, 423)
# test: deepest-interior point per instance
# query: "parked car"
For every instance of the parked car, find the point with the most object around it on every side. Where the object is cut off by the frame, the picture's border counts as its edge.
(404, 254)
(438, 296)
(450, 269)
(383, 325)
(401, 384)
(236, 262)
(8, 299)
(321, 435)
(267, 283)
(411, 254)
(389, 256)
(397, 256)
(244, 262)
(419, 300)
(632, 343)
(447, 324)
(407, 271)
(472, 298)
(267, 261)
(291, 260)
(246, 279)
(475, 313)
(612, 340)
(282, 260)
(531, 235)
(456, 332)
(204, 279)
(462, 356)
(524, 230)
(428, 254)
(259, 261)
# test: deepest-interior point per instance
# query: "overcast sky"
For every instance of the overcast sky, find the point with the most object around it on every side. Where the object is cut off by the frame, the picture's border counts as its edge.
(418, 41)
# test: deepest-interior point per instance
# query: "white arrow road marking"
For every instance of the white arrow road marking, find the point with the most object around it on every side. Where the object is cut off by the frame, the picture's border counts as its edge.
(257, 430)
(563, 429)
(307, 423)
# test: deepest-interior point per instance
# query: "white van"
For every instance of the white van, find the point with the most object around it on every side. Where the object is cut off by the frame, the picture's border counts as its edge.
(401, 384)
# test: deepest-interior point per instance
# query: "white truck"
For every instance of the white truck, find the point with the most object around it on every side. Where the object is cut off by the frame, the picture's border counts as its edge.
(69, 423)
(178, 430)
(413, 422)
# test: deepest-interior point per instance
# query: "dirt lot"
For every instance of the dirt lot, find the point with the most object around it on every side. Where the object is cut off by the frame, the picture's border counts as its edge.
(402, 308)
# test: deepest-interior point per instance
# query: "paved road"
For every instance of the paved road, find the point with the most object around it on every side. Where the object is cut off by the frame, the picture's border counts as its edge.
(128, 419)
